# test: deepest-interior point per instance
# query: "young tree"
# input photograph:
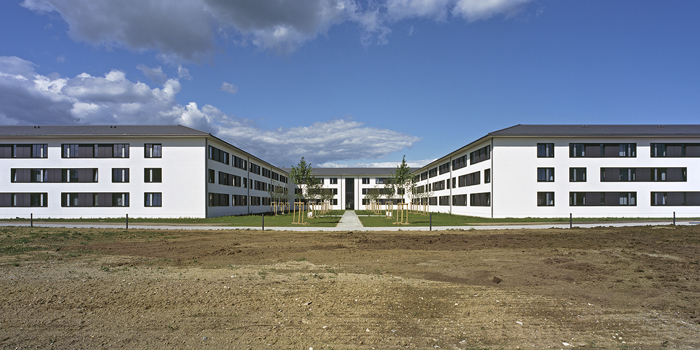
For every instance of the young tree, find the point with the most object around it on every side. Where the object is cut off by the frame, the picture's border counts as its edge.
(401, 181)
(307, 184)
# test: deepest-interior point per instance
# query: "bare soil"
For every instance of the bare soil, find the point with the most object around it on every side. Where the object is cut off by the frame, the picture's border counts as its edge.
(602, 288)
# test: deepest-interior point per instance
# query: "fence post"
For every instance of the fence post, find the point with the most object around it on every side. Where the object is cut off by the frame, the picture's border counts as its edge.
(31, 219)
(127, 221)
(674, 218)
(431, 221)
(263, 221)
(571, 220)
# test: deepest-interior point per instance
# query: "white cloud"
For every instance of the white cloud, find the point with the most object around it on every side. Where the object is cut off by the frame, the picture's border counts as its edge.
(27, 97)
(228, 87)
(183, 73)
(155, 74)
(187, 30)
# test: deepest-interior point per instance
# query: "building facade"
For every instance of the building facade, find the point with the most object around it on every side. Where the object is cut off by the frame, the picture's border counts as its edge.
(521, 171)
(143, 171)
(558, 170)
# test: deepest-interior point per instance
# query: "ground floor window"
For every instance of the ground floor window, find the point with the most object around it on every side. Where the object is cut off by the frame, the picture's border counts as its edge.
(480, 199)
(602, 198)
(545, 199)
(675, 198)
(218, 200)
(152, 199)
(24, 199)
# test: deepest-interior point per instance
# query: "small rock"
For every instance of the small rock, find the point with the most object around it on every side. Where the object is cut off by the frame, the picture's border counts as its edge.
(518, 322)
(565, 343)
(496, 280)
(205, 338)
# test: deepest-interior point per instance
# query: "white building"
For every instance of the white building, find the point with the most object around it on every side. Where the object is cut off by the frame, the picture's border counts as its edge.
(583, 170)
(143, 171)
(521, 171)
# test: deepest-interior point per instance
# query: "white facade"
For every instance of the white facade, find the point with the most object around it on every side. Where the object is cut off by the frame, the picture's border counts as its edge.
(165, 172)
(351, 184)
(523, 184)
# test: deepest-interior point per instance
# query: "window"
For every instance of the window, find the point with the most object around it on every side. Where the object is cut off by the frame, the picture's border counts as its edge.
(266, 173)
(240, 163)
(120, 175)
(487, 176)
(445, 168)
(152, 175)
(592, 150)
(675, 150)
(603, 198)
(24, 199)
(545, 174)
(675, 198)
(643, 174)
(444, 200)
(121, 150)
(381, 180)
(433, 172)
(240, 200)
(432, 201)
(545, 150)
(218, 155)
(424, 176)
(79, 175)
(577, 174)
(545, 199)
(480, 155)
(153, 150)
(152, 199)
(218, 199)
(226, 179)
(255, 201)
(78, 150)
(470, 179)
(365, 181)
(24, 151)
(459, 200)
(211, 178)
(94, 199)
(333, 181)
(254, 168)
(480, 199)
(459, 163)
(439, 185)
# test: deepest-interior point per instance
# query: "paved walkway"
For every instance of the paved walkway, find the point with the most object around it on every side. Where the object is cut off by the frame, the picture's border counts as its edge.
(349, 221)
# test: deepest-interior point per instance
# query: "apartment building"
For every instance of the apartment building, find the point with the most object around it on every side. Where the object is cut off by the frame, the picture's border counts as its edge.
(558, 170)
(352, 185)
(144, 171)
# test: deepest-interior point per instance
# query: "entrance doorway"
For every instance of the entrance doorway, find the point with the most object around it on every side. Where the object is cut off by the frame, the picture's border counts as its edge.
(350, 194)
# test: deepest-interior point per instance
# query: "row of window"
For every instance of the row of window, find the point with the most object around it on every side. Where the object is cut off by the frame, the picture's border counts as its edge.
(475, 199)
(622, 198)
(24, 150)
(546, 150)
(236, 200)
(79, 175)
(77, 150)
(150, 199)
(620, 174)
(221, 156)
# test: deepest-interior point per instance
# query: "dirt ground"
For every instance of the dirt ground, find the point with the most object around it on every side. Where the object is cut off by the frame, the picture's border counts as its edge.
(603, 288)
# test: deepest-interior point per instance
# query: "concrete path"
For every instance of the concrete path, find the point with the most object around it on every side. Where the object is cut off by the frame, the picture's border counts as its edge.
(349, 221)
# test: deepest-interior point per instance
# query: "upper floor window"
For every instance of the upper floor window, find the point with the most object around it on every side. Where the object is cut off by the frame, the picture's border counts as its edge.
(152, 175)
(480, 155)
(460, 162)
(675, 150)
(445, 168)
(577, 174)
(240, 163)
(24, 151)
(218, 155)
(545, 150)
(120, 175)
(333, 181)
(365, 180)
(592, 150)
(487, 176)
(433, 172)
(153, 150)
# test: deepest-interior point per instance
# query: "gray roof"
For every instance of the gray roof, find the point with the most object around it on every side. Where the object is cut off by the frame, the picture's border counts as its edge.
(99, 130)
(319, 172)
(599, 130)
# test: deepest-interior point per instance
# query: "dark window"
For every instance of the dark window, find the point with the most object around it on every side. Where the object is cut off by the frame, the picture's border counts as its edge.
(152, 175)
(460, 162)
(545, 150)
(675, 149)
(365, 180)
(545, 199)
(218, 155)
(254, 168)
(424, 176)
(444, 200)
(675, 198)
(211, 178)
(240, 163)
(439, 185)
(153, 150)
(577, 174)
(487, 176)
(78, 150)
(78, 175)
(433, 172)
(643, 174)
(603, 198)
(24, 151)
(24, 199)
(218, 200)
(120, 175)
(94, 199)
(480, 155)
(226, 179)
(333, 181)
(240, 200)
(445, 168)
(545, 174)
(470, 179)
(152, 199)
(592, 150)
(480, 199)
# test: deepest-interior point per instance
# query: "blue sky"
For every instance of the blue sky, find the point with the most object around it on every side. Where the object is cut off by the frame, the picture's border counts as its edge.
(349, 82)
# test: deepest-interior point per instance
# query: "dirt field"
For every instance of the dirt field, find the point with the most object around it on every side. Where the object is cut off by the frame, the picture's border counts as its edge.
(605, 288)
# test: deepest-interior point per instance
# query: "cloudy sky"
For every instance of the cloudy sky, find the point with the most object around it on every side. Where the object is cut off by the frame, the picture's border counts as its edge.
(349, 82)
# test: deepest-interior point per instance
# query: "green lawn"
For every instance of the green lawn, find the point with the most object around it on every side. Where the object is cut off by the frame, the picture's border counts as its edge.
(440, 219)
(329, 219)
